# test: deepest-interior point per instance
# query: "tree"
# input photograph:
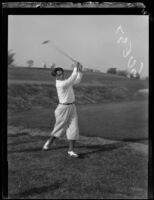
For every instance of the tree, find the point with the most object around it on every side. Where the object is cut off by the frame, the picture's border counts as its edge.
(10, 57)
(135, 76)
(44, 65)
(122, 73)
(112, 70)
(30, 63)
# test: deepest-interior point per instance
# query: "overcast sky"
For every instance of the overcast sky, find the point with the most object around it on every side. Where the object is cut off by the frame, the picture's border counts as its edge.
(91, 39)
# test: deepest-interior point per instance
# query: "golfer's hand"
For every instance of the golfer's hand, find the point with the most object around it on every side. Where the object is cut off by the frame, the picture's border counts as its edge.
(75, 65)
(80, 68)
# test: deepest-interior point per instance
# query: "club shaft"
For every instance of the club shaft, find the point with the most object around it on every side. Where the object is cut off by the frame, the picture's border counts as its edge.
(62, 52)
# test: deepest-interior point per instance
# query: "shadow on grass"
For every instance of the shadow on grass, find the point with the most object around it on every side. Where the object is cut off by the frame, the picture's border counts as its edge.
(35, 149)
(19, 134)
(29, 135)
(96, 148)
(37, 190)
(21, 142)
(31, 139)
(100, 148)
(139, 140)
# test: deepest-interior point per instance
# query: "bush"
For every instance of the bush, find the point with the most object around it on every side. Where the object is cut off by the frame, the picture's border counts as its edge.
(135, 76)
(112, 71)
(120, 93)
(122, 73)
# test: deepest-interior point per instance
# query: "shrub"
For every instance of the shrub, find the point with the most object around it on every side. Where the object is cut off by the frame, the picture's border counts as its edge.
(120, 93)
(112, 71)
(122, 73)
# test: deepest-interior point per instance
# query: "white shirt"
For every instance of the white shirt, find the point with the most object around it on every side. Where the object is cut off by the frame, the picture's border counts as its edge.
(65, 87)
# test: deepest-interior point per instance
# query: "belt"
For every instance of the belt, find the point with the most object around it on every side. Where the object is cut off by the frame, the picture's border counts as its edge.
(67, 103)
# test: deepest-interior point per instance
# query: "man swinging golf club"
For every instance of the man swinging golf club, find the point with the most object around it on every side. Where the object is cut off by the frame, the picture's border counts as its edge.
(65, 113)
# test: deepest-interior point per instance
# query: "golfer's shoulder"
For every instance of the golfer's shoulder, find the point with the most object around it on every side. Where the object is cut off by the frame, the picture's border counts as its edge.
(61, 83)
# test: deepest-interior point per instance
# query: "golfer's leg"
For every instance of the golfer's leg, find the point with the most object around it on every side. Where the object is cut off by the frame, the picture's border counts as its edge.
(71, 145)
(60, 126)
(48, 142)
(52, 137)
(57, 132)
(73, 130)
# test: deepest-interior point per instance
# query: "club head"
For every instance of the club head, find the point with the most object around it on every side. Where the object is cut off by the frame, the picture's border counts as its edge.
(46, 41)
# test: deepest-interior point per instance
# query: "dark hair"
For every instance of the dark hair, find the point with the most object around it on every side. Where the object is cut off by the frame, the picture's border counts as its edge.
(54, 71)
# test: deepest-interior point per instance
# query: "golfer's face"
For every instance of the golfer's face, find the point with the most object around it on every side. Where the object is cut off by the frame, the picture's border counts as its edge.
(60, 74)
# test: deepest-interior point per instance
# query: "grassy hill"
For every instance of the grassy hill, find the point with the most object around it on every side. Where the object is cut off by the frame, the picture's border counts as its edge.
(30, 87)
(43, 75)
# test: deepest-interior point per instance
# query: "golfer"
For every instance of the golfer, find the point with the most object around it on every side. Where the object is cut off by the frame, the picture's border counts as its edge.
(65, 113)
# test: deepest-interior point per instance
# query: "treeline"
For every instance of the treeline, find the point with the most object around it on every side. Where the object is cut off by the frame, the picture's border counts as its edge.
(124, 73)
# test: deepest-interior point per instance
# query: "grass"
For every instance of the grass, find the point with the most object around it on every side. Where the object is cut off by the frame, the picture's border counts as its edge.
(110, 171)
(120, 121)
(43, 75)
(27, 96)
(30, 87)
(104, 171)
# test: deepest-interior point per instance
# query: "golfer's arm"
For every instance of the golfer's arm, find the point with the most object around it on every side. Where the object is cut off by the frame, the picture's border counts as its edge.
(79, 77)
(71, 79)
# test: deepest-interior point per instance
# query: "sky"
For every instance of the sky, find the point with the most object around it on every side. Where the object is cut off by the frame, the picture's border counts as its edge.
(90, 39)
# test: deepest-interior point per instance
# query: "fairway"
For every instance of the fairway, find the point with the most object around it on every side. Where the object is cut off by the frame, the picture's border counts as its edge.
(108, 170)
(113, 147)
(116, 121)
(113, 167)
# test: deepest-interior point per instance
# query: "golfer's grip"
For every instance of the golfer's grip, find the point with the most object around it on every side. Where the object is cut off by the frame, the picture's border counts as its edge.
(79, 66)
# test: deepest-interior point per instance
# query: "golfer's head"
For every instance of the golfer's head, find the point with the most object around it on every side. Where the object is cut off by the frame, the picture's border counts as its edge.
(58, 72)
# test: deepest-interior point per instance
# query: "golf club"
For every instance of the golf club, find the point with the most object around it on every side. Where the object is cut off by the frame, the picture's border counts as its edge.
(59, 50)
